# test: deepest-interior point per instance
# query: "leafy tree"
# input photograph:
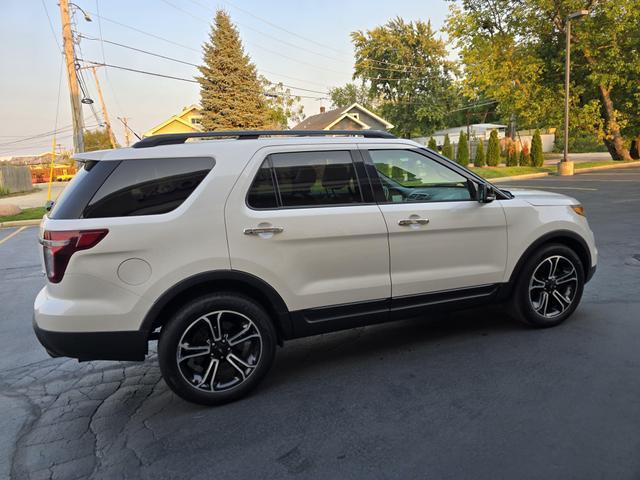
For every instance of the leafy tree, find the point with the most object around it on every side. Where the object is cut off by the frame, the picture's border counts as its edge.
(512, 155)
(493, 150)
(462, 154)
(407, 68)
(513, 51)
(350, 93)
(537, 158)
(525, 156)
(231, 95)
(432, 144)
(447, 148)
(284, 107)
(97, 139)
(479, 160)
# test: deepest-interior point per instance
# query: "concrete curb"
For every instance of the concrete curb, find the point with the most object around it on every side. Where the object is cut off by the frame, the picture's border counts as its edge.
(518, 177)
(20, 223)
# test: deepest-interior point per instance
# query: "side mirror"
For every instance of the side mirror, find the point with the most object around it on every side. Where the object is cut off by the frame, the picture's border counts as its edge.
(485, 193)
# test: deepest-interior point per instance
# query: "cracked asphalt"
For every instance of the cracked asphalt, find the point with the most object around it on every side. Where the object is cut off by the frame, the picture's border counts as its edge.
(466, 395)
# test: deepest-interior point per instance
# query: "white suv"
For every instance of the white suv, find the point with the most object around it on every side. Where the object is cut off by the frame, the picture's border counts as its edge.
(222, 249)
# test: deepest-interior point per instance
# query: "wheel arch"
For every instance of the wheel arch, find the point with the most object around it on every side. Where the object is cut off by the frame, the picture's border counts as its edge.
(564, 237)
(215, 281)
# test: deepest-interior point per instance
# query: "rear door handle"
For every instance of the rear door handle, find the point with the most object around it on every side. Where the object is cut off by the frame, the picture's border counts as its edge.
(413, 221)
(259, 230)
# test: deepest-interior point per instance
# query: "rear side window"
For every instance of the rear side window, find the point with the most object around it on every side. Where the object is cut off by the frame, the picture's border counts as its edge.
(147, 187)
(306, 179)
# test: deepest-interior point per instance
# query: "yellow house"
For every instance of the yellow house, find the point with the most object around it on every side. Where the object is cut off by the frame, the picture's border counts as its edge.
(188, 120)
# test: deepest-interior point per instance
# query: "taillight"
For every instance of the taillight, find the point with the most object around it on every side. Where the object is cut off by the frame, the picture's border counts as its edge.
(59, 246)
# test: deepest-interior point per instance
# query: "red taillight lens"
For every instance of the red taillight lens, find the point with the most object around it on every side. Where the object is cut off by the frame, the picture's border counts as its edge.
(58, 247)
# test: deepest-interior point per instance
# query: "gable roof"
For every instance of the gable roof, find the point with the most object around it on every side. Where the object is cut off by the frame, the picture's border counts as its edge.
(175, 118)
(324, 121)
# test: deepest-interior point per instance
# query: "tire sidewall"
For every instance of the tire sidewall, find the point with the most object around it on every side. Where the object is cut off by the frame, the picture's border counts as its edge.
(522, 304)
(173, 330)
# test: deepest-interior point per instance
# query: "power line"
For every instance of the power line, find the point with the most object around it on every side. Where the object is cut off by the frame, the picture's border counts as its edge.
(55, 37)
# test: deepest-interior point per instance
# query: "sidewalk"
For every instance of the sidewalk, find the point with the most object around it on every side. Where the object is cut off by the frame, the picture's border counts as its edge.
(37, 198)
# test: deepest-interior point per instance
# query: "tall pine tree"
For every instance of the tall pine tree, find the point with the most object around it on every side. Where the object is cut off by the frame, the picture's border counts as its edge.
(231, 95)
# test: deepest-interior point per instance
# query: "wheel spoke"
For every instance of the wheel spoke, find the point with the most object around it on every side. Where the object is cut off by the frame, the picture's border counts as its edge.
(562, 300)
(242, 336)
(211, 329)
(198, 351)
(234, 361)
(567, 277)
(213, 375)
(544, 303)
(206, 373)
(554, 266)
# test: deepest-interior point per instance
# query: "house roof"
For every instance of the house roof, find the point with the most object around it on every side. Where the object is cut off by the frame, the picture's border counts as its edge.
(175, 118)
(326, 120)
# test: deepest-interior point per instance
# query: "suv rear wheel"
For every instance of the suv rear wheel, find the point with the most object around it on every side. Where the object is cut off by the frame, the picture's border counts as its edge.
(549, 287)
(217, 348)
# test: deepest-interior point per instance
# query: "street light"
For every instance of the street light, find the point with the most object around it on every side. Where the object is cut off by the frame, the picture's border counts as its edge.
(565, 167)
(87, 18)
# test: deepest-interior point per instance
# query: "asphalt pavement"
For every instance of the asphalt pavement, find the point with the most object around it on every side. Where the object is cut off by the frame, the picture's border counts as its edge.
(466, 395)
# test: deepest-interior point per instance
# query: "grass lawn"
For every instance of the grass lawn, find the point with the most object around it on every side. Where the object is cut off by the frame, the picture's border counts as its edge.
(578, 166)
(497, 172)
(26, 214)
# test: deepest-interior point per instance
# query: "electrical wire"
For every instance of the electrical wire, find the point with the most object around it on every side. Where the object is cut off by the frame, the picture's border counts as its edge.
(55, 37)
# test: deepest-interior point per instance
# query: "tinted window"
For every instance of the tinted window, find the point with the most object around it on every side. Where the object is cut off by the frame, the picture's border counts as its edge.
(407, 176)
(315, 178)
(148, 187)
(83, 186)
(262, 193)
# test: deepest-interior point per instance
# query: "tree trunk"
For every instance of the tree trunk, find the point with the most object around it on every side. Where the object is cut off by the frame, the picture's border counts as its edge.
(613, 141)
(634, 151)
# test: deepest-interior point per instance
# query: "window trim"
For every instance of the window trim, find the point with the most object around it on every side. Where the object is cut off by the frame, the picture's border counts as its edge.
(362, 179)
(376, 183)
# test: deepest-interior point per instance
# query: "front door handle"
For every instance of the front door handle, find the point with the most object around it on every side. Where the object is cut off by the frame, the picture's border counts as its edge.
(259, 230)
(413, 221)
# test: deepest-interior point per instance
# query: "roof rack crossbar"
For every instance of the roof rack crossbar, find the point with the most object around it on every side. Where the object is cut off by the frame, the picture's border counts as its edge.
(178, 138)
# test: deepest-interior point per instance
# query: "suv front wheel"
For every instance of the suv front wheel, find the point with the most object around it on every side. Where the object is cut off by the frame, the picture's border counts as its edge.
(549, 287)
(217, 348)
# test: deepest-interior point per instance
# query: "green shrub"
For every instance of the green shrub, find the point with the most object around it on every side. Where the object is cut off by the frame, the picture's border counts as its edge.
(462, 155)
(432, 144)
(447, 148)
(493, 150)
(536, 150)
(479, 160)
(525, 156)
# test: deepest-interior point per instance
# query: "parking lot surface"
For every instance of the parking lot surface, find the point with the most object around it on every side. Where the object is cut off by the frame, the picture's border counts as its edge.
(466, 395)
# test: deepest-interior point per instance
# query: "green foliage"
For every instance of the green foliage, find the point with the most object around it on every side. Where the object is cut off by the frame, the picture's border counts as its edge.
(479, 160)
(231, 95)
(525, 157)
(462, 154)
(447, 148)
(493, 150)
(350, 93)
(284, 107)
(580, 141)
(432, 144)
(97, 139)
(513, 51)
(512, 157)
(415, 99)
(537, 158)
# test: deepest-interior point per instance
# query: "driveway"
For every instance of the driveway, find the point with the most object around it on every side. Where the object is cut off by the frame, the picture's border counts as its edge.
(467, 395)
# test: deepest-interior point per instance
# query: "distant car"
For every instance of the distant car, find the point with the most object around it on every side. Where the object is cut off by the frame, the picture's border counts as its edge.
(223, 249)
(64, 177)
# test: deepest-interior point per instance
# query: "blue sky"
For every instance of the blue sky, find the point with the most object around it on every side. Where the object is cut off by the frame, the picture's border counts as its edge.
(314, 53)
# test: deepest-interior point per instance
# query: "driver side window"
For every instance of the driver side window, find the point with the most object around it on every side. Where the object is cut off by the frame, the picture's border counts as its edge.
(407, 176)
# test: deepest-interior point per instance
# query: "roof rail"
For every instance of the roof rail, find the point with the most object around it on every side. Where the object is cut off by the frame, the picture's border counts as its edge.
(177, 138)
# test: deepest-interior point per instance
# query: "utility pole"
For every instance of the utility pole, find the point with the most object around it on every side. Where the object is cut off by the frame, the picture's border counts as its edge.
(74, 89)
(112, 137)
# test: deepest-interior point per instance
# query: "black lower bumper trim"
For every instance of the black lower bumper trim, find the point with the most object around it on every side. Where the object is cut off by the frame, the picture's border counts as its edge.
(590, 273)
(123, 345)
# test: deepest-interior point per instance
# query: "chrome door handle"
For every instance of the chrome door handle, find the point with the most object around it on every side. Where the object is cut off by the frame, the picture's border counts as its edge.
(259, 230)
(413, 221)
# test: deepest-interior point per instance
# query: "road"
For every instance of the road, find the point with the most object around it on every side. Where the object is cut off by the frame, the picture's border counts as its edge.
(467, 395)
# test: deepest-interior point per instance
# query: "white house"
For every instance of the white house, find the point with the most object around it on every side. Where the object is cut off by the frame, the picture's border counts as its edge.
(478, 131)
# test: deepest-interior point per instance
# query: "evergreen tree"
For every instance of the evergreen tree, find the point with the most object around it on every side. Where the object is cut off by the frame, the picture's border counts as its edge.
(493, 150)
(447, 148)
(536, 150)
(432, 144)
(525, 156)
(511, 154)
(462, 155)
(231, 96)
(479, 160)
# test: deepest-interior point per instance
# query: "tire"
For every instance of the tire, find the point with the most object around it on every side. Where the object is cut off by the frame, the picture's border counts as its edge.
(217, 348)
(562, 286)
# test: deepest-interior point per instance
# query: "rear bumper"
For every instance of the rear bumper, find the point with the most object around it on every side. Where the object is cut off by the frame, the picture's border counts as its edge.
(590, 273)
(124, 345)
